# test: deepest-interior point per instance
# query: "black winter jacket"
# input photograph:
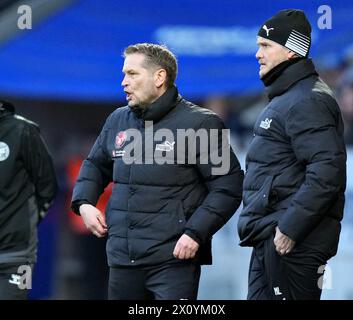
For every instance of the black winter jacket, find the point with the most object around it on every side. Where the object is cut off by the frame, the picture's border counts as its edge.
(27, 186)
(152, 205)
(296, 164)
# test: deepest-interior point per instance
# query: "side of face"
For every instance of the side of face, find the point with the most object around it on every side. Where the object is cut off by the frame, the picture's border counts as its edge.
(270, 54)
(142, 83)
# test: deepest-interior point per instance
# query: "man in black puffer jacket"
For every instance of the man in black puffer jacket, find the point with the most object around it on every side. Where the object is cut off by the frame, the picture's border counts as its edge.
(169, 197)
(27, 189)
(295, 168)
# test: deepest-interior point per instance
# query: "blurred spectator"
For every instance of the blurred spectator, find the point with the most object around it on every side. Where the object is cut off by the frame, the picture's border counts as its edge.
(27, 189)
(92, 279)
(223, 108)
(345, 99)
(83, 271)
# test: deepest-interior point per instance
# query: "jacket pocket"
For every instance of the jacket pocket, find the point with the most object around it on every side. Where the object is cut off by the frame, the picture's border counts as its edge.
(257, 220)
(164, 225)
(259, 201)
(181, 216)
(174, 219)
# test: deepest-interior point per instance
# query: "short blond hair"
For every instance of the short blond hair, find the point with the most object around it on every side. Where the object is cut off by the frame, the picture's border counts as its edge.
(156, 55)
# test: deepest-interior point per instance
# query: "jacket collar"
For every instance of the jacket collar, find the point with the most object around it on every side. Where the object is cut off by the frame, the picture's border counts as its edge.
(303, 68)
(158, 109)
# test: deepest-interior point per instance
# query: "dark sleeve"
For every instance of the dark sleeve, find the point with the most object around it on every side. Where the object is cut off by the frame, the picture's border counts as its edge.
(95, 174)
(39, 166)
(312, 128)
(224, 182)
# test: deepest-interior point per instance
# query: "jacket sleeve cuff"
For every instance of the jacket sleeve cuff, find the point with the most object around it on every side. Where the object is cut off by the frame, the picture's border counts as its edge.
(193, 235)
(75, 205)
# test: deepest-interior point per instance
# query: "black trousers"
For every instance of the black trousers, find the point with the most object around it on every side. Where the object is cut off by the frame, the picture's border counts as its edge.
(297, 275)
(172, 281)
(12, 284)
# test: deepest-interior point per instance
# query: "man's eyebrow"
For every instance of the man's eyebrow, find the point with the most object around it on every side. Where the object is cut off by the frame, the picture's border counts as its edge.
(128, 70)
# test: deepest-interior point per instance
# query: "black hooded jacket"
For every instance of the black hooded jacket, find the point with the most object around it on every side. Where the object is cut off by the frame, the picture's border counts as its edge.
(153, 204)
(27, 185)
(296, 164)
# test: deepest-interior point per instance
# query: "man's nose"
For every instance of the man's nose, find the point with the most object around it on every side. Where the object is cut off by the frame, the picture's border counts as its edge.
(258, 54)
(124, 82)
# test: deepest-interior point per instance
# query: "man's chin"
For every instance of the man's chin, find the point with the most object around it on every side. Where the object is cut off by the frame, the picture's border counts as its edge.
(132, 104)
(262, 73)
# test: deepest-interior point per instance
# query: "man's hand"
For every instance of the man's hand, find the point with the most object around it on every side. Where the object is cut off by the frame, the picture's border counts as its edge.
(283, 243)
(185, 248)
(94, 220)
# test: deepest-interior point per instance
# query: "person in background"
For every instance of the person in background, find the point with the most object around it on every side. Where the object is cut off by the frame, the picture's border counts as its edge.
(27, 189)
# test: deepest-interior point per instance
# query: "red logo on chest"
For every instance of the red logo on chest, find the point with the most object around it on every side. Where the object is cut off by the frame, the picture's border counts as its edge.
(120, 139)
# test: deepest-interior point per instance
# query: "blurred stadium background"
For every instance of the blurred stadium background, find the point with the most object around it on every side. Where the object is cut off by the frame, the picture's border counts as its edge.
(65, 74)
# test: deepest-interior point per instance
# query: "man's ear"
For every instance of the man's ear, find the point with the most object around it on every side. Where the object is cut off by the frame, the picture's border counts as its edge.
(291, 54)
(160, 77)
